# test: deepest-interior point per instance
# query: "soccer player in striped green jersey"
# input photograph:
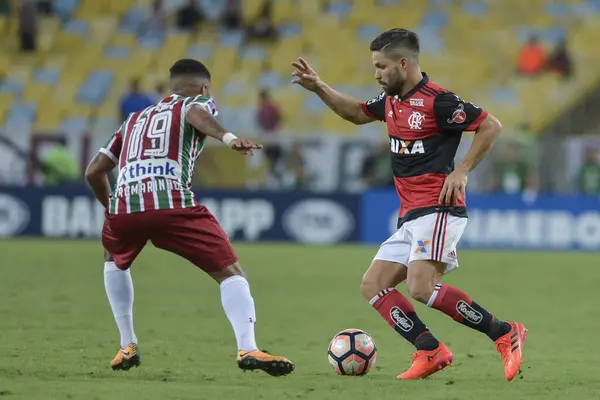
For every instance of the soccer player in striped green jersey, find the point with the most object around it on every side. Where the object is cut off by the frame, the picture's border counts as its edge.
(155, 151)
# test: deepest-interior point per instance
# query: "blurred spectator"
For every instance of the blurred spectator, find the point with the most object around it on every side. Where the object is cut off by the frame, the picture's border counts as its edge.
(188, 17)
(376, 168)
(287, 171)
(231, 18)
(134, 100)
(157, 23)
(532, 57)
(268, 115)
(512, 174)
(262, 27)
(588, 179)
(60, 166)
(560, 60)
(45, 6)
(4, 6)
(28, 25)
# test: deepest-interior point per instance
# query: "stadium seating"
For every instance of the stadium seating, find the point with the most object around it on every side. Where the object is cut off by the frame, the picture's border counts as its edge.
(90, 49)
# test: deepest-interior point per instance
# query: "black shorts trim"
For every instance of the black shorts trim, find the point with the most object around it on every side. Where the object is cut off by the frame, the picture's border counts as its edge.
(420, 212)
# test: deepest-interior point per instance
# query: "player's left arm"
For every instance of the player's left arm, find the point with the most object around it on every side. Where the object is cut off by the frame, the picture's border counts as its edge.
(203, 120)
(96, 176)
(454, 116)
(96, 173)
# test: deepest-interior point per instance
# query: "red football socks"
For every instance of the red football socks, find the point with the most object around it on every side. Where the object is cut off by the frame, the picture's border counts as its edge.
(400, 314)
(460, 307)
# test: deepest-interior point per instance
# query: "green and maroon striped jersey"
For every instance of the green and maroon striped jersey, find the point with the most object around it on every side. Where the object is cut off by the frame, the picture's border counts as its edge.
(156, 151)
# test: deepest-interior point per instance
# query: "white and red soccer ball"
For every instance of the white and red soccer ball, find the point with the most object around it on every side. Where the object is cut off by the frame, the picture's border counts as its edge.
(352, 352)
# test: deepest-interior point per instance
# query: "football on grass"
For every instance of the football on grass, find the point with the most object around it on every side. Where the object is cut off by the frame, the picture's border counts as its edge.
(352, 352)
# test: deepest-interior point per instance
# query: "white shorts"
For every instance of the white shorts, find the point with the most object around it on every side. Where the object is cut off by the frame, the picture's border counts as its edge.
(430, 237)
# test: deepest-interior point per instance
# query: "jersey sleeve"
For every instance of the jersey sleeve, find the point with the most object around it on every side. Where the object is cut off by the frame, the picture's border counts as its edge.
(375, 108)
(112, 148)
(454, 115)
(208, 103)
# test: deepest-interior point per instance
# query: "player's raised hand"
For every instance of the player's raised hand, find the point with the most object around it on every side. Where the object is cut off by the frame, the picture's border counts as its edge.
(304, 75)
(245, 146)
(454, 184)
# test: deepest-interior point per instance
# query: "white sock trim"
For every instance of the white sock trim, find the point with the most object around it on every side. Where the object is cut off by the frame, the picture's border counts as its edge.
(110, 266)
(380, 294)
(232, 279)
(436, 290)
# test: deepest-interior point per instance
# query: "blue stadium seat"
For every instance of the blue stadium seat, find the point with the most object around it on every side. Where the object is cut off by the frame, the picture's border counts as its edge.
(47, 75)
(388, 2)
(64, 8)
(435, 19)
(233, 88)
(440, 2)
(200, 52)
(238, 119)
(367, 32)
(232, 38)
(94, 89)
(254, 53)
(22, 111)
(594, 5)
(76, 26)
(475, 8)
(430, 36)
(151, 41)
(554, 34)
(135, 17)
(269, 79)
(74, 126)
(557, 10)
(105, 126)
(290, 30)
(314, 105)
(14, 125)
(339, 8)
(504, 95)
(12, 86)
(117, 52)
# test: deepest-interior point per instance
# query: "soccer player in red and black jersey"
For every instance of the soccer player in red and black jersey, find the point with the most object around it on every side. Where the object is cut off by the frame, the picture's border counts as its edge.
(425, 123)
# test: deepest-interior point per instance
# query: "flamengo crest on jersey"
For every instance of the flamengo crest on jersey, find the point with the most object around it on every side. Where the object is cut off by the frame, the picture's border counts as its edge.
(156, 151)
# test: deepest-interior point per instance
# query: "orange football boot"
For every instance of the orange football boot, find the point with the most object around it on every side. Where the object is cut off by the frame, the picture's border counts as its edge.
(272, 365)
(428, 362)
(510, 347)
(126, 358)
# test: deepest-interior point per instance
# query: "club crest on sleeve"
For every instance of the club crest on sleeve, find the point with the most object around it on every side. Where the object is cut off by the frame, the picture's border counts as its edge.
(459, 115)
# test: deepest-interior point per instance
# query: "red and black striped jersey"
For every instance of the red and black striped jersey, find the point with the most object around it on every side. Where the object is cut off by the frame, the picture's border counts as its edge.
(424, 127)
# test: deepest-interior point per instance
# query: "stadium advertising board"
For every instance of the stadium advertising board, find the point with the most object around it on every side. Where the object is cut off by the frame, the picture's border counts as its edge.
(69, 212)
(503, 221)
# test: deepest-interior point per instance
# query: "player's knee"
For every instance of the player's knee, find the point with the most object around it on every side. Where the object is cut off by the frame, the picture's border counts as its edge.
(234, 269)
(108, 257)
(420, 290)
(371, 285)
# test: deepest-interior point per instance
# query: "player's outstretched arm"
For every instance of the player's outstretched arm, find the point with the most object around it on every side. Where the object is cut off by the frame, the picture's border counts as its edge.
(204, 122)
(343, 105)
(96, 175)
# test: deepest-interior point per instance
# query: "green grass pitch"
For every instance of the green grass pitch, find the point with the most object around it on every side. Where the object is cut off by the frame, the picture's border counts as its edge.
(57, 334)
